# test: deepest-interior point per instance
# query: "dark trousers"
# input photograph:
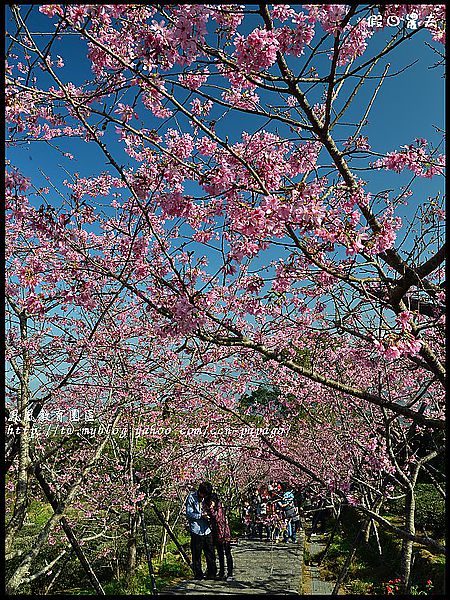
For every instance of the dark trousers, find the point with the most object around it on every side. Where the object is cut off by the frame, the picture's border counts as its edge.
(203, 543)
(224, 549)
(319, 517)
(266, 528)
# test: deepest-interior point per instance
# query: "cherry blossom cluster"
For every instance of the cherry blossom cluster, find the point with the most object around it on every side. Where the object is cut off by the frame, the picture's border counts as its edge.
(415, 158)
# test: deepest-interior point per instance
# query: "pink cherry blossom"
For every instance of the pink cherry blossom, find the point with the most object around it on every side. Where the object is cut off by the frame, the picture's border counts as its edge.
(258, 50)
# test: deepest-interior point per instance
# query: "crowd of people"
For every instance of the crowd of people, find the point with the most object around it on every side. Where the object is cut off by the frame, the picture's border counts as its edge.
(272, 511)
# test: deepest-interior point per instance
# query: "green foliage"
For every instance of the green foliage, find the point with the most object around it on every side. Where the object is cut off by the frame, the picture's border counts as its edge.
(359, 587)
(114, 588)
(172, 566)
(303, 357)
(110, 569)
(370, 569)
(39, 512)
(396, 507)
(393, 588)
(139, 584)
(416, 590)
(236, 525)
(427, 566)
(430, 509)
(261, 397)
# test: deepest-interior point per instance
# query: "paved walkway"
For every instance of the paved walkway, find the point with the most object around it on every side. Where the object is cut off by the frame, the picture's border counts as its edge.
(314, 585)
(260, 568)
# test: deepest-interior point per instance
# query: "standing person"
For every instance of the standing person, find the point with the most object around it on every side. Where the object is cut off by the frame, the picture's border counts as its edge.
(201, 536)
(221, 536)
(296, 519)
(261, 512)
(277, 513)
(319, 516)
(253, 512)
(247, 519)
(290, 513)
(271, 513)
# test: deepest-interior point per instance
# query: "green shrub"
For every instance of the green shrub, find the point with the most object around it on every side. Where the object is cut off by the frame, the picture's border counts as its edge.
(173, 568)
(430, 510)
(396, 507)
(369, 569)
(427, 566)
(359, 587)
(237, 527)
(114, 588)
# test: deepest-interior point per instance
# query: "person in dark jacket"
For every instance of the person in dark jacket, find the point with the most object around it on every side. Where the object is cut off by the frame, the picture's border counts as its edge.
(221, 535)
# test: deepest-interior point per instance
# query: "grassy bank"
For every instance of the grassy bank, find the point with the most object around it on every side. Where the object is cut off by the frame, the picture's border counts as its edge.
(370, 569)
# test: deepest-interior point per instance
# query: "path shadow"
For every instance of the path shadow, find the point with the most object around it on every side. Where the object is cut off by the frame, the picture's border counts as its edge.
(260, 568)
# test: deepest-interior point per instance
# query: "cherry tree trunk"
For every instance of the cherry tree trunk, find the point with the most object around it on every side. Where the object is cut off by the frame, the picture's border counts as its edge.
(21, 491)
(164, 539)
(70, 534)
(131, 562)
(407, 546)
(343, 574)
